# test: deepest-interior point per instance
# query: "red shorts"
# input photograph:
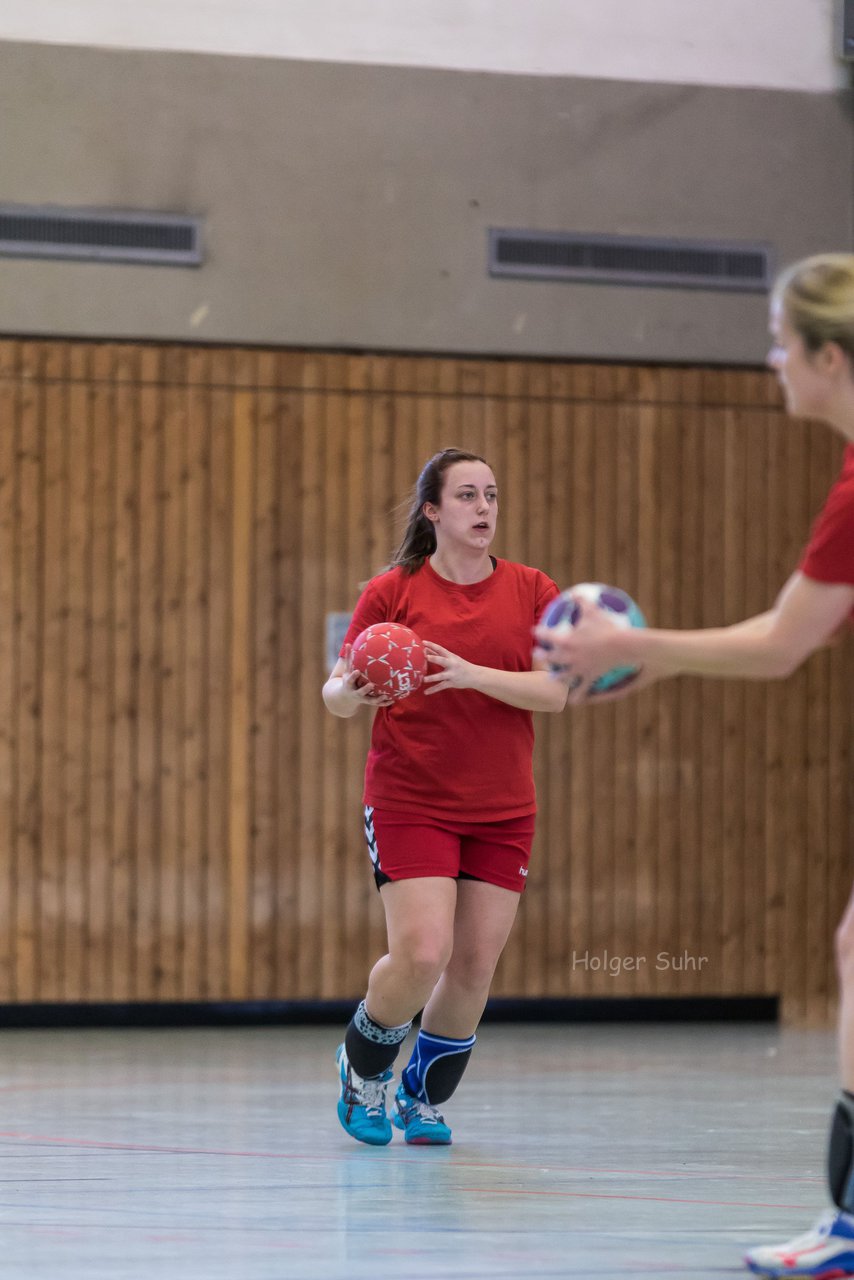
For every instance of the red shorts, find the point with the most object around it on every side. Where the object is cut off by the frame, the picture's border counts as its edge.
(405, 846)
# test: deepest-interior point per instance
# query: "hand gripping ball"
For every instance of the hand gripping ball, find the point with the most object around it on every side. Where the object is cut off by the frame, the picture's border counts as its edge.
(564, 612)
(391, 657)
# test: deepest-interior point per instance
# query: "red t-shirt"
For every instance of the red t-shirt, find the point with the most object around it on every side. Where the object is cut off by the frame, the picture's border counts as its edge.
(457, 753)
(829, 554)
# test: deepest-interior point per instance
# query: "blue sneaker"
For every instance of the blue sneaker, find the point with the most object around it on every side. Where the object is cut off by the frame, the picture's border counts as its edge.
(361, 1107)
(824, 1253)
(421, 1124)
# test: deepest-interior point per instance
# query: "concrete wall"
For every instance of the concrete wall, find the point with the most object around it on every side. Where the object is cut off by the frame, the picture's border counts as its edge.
(347, 206)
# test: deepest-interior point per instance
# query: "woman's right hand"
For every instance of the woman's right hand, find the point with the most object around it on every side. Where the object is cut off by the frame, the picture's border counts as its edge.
(359, 688)
(347, 690)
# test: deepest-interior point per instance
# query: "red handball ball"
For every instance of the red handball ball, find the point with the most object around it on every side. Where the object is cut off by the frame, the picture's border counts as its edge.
(391, 657)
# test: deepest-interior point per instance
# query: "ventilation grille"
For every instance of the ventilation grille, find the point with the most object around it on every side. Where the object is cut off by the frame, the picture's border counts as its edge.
(96, 235)
(632, 260)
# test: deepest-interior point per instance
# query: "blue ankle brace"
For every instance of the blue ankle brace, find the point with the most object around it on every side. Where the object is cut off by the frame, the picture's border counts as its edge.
(436, 1067)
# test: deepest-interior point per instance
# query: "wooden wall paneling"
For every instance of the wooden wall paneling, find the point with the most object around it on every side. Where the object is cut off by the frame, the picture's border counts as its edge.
(368, 483)
(733, 702)
(364, 524)
(422, 425)
(171, 677)
(624, 500)
(9, 450)
(793, 710)
(674, 974)
(710, 692)
(102, 628)
(288, 729)
(581, 827)
(648, 482)
(444, 429)
(270, 500)
(219, 575)
(472, 430)
(753, 442)
(78, 674)
(183, 818)
(241, 686)
(22, 652)
(819, 921)
(27, 842)
(553, 739)
(379, 498)
(310, 904)
(541, 461)
(492, 446)
(772, 816)
(603, 888)
(195, 825)
(121, 953)
(371, 536)
(513, 544)
(341, 471)
(149, 725)
(54, 719)
(494, 394)
(689, 483)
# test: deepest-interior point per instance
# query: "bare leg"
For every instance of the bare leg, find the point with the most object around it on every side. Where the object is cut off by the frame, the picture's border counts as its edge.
(420, 924)
(482, 924)
(845, 969)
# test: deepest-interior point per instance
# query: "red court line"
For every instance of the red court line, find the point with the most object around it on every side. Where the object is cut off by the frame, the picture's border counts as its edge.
(387, 1158)
(604, 1195)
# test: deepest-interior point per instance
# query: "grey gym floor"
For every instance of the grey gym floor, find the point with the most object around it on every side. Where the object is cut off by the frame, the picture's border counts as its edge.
(581, 1150)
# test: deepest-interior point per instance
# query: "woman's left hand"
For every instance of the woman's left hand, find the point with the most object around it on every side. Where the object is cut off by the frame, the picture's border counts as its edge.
(456, 673)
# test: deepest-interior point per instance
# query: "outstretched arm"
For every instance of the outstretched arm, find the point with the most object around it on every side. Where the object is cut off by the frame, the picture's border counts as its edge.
(528, 690)
(769, 646)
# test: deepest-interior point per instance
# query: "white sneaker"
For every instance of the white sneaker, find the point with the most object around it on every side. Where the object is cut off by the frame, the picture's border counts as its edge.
(826, 1252)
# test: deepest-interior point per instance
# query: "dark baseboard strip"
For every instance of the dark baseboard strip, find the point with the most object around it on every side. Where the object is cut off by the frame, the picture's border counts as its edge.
(268, 1013)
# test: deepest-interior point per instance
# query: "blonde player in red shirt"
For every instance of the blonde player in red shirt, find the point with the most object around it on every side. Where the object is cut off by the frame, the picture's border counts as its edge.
(449, 794)
(812, 323)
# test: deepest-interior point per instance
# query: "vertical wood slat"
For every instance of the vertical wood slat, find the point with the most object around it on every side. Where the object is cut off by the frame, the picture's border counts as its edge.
(53, 693)
(288, 730)
(182, 821)
(218, 572)
(240, 694)
(308, 920)
(101, 723)
(172, 681)
(8, 658)
(340, 469)
(123, 849)
(148, 609)
(265, 645)
(27, 612)
(195, 783)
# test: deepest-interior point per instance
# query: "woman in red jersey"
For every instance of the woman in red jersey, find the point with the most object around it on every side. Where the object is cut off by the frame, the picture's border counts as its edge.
(449, 794)
(812, 324)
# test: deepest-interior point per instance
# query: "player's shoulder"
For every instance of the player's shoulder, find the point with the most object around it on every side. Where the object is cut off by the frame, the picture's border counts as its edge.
(527, 574)
(388, 583)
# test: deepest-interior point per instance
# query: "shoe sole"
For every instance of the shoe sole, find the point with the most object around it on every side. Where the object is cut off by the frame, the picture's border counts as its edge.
(422, 1141)
(832, 1273)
